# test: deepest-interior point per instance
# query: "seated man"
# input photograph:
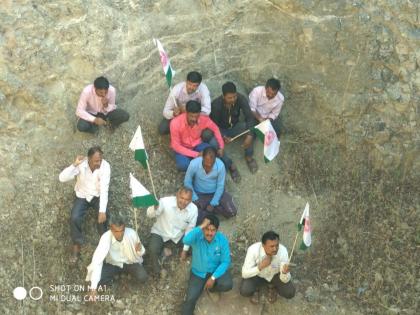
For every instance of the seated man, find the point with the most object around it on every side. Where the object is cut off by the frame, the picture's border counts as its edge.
(175, 217)
(210, 262)
(206, 177)
(267, 262)
(119, 250)
(191, 133)
(92, 184)
(191, 90)
(266, 103)
(225, 112)
(97, 107)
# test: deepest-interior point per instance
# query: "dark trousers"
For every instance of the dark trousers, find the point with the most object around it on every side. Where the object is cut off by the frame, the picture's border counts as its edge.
(156, 244)
(196, 286)
(249, 286)
(164, 126)
(225, 208)
(232, 132)
(136, 270)
(115, 118)
(78, 212)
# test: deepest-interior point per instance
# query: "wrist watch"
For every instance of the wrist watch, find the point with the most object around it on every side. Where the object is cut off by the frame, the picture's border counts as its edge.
(213, 278)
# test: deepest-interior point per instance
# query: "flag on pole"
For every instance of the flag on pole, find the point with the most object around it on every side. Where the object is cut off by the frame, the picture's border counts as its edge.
(137, 145)
(140, 196)
(265, 132)
(305, 223)
(166, 63)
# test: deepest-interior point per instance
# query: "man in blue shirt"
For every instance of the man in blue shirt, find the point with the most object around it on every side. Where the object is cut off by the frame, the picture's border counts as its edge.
(206, 178)
(210, 262)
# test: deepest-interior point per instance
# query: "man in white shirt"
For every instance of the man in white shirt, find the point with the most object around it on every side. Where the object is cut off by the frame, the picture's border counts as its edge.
(266, 103)
(175, 216)
(267, 262)
(119, 250)
(92, 183)
(190, 90)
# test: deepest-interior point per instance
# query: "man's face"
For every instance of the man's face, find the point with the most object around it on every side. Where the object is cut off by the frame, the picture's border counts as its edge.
(271, 247)
(192, 118)
(209, 232)
(191, 87)
(118, 232)
(208, 162)
(183, 199)
(229, 99)
(270, 92)
(95, 161)
(101, 92)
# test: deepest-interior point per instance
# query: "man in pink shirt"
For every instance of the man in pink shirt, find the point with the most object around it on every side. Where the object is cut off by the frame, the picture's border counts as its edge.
(191, 133)
(266, 103)
(97, 107)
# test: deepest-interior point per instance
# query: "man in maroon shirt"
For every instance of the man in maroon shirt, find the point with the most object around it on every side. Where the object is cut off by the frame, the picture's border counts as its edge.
(191, 133)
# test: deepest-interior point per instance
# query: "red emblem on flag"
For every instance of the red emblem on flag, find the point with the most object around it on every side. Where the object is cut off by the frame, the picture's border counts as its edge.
(269, 137)
(163, 58)
(307, 227)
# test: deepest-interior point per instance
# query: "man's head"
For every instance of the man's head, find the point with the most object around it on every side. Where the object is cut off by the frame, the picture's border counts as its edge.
(193, 109)
(117, 226)
(211, 229)
(229, 94)
(183, 197)
(272, 87)
(193, 81)
(101, 85)
(209, 157)
(95, 157)
(270, 242)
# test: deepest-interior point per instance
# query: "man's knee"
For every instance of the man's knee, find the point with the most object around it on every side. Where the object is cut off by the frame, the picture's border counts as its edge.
(288, 292)
(84, 126)
(164, 127)
(207, 135)
(246, 289)
(182, 164)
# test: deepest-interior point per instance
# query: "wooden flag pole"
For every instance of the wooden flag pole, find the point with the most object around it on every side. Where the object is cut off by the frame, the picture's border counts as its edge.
(241, 134)
(151, 179)
(293, 248)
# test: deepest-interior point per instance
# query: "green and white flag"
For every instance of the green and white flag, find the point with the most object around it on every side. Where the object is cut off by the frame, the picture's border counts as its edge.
(265, 132)
(137, 145)
(305, 223)
(140, 196)
(166, 63)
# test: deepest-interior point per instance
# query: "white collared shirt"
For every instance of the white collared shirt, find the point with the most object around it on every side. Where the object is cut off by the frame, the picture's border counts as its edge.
(89, 184)
(115, 253)
(179, 92)
(259, 102)
(172, 223)
(255, 254)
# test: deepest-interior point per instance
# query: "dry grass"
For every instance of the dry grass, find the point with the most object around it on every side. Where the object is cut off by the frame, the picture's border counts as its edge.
(370, 238)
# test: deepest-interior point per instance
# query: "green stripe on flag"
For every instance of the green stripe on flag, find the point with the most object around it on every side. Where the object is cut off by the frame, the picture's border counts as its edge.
(144, 201)
(260, 134)
(141, 156)
(301, 225)
(169, 76)
(303, 246)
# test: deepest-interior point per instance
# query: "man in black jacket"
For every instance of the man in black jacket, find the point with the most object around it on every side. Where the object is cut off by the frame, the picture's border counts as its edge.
(225, 112)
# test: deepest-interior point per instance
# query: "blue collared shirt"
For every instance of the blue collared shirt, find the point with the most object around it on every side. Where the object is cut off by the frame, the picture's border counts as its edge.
(199, 181)
(208, 257)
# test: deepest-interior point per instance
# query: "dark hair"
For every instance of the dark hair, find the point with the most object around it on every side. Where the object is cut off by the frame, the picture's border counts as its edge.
(228, 87)
(93, 150)
(211, 151)
(185, 189)
(101, 83)
(270, 235)
(194, 77)
(213, 220)
(116, 219)
(274, 84)
(193, 107)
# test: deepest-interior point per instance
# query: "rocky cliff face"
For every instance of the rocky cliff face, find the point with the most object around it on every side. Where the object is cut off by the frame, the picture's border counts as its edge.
(349, 72)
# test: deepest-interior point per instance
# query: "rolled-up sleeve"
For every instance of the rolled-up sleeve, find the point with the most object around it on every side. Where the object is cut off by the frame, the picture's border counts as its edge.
(81, 111)
(250, 267)
(95, 267)
(68, 173)
(225, 261)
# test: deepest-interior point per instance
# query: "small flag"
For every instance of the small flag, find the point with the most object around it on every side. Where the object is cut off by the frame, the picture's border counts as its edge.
(265, 132)
(166, 63)
(137, 145)
(140, 196)
(305, 223)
